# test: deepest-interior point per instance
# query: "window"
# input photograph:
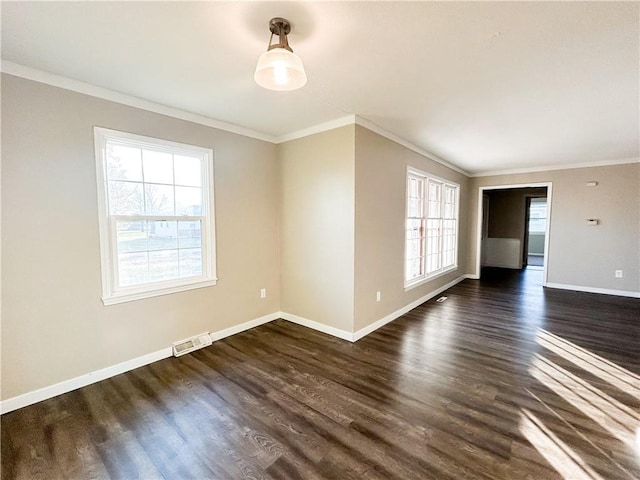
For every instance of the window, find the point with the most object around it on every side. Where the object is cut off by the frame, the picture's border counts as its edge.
(155, 203)
(538, 215)
(431, 235)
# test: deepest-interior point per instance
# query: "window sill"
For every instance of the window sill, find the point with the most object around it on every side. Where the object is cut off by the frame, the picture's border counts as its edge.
(124, 297)
(428, 279)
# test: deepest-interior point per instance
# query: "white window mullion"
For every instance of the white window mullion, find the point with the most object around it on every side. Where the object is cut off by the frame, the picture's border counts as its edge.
(158, 218)
(434, 214)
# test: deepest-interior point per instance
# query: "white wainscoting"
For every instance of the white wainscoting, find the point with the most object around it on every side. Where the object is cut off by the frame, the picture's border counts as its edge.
(502, 252)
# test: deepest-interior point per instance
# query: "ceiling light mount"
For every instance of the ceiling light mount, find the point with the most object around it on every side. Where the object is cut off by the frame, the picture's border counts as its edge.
(279, 68)
(281, 27)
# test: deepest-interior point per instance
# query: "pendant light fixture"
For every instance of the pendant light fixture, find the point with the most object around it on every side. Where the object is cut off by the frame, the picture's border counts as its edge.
(279, 68)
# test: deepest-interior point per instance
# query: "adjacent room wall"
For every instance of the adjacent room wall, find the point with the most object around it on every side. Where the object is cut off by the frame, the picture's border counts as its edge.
(536, 244)
(380, 197)
(581, 255)
(55, 326)
(507, 214)
(317, 227)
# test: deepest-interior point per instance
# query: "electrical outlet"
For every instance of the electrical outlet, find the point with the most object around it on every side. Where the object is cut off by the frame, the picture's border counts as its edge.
(378, 296)
(619, 274)
(263, 293)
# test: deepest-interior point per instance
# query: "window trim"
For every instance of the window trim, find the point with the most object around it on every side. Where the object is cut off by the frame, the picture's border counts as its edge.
(112, 295)
(425, 277)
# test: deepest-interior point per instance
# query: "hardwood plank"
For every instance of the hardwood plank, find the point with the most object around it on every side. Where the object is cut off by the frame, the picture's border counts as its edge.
(504, 380)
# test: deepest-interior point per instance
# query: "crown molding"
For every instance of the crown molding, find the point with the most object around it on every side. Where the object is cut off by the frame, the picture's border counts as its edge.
(547, 168)
(323, 127)
(47, 78)
(369, 125)
(59, 81)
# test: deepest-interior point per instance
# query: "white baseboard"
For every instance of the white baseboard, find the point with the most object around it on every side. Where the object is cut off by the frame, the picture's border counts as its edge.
(603, 291)
(51, 391)
(321, 327)
(472, 276)
(398, 313)
(83, 380)
(227, 332)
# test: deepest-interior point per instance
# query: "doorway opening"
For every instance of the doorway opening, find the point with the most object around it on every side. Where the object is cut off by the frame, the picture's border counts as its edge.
(513, 227)
(535, 232)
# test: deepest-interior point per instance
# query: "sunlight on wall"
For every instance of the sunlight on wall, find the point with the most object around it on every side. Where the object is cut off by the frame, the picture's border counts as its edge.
(594, 364)
(565, 461)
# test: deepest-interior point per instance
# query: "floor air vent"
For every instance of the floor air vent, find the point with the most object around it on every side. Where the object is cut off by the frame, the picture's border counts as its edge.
(191, 344)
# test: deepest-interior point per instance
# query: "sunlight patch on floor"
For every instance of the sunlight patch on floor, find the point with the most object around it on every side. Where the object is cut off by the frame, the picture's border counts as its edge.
(560, 456)
(584, 436)
(608, 371)
(615, 417)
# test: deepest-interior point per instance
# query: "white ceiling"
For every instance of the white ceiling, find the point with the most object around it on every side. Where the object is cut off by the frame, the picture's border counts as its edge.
(485, 86)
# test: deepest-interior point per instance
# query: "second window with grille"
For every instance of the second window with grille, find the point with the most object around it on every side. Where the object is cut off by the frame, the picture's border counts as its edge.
(431, 231)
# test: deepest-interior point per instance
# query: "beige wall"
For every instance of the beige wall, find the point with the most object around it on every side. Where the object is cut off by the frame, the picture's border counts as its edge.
(54, 326)
(579, 254)
(317, 227)
(320, 189)
(318, 222)
(381, 170)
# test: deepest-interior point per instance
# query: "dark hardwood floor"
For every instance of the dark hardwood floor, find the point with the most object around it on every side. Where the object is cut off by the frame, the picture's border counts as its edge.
(504, 380)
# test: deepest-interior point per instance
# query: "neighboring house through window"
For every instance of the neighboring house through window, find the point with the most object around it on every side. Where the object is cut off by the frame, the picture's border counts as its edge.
(155, 202)
(431, 231)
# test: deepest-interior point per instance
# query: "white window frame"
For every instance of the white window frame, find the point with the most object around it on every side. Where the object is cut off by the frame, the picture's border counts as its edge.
(427, 276)
(111, 292)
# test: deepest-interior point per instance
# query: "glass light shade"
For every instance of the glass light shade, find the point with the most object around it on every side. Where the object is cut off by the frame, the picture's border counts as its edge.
(279, 69)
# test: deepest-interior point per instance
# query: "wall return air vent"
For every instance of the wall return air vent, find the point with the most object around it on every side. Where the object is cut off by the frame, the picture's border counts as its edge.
(190, 344)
